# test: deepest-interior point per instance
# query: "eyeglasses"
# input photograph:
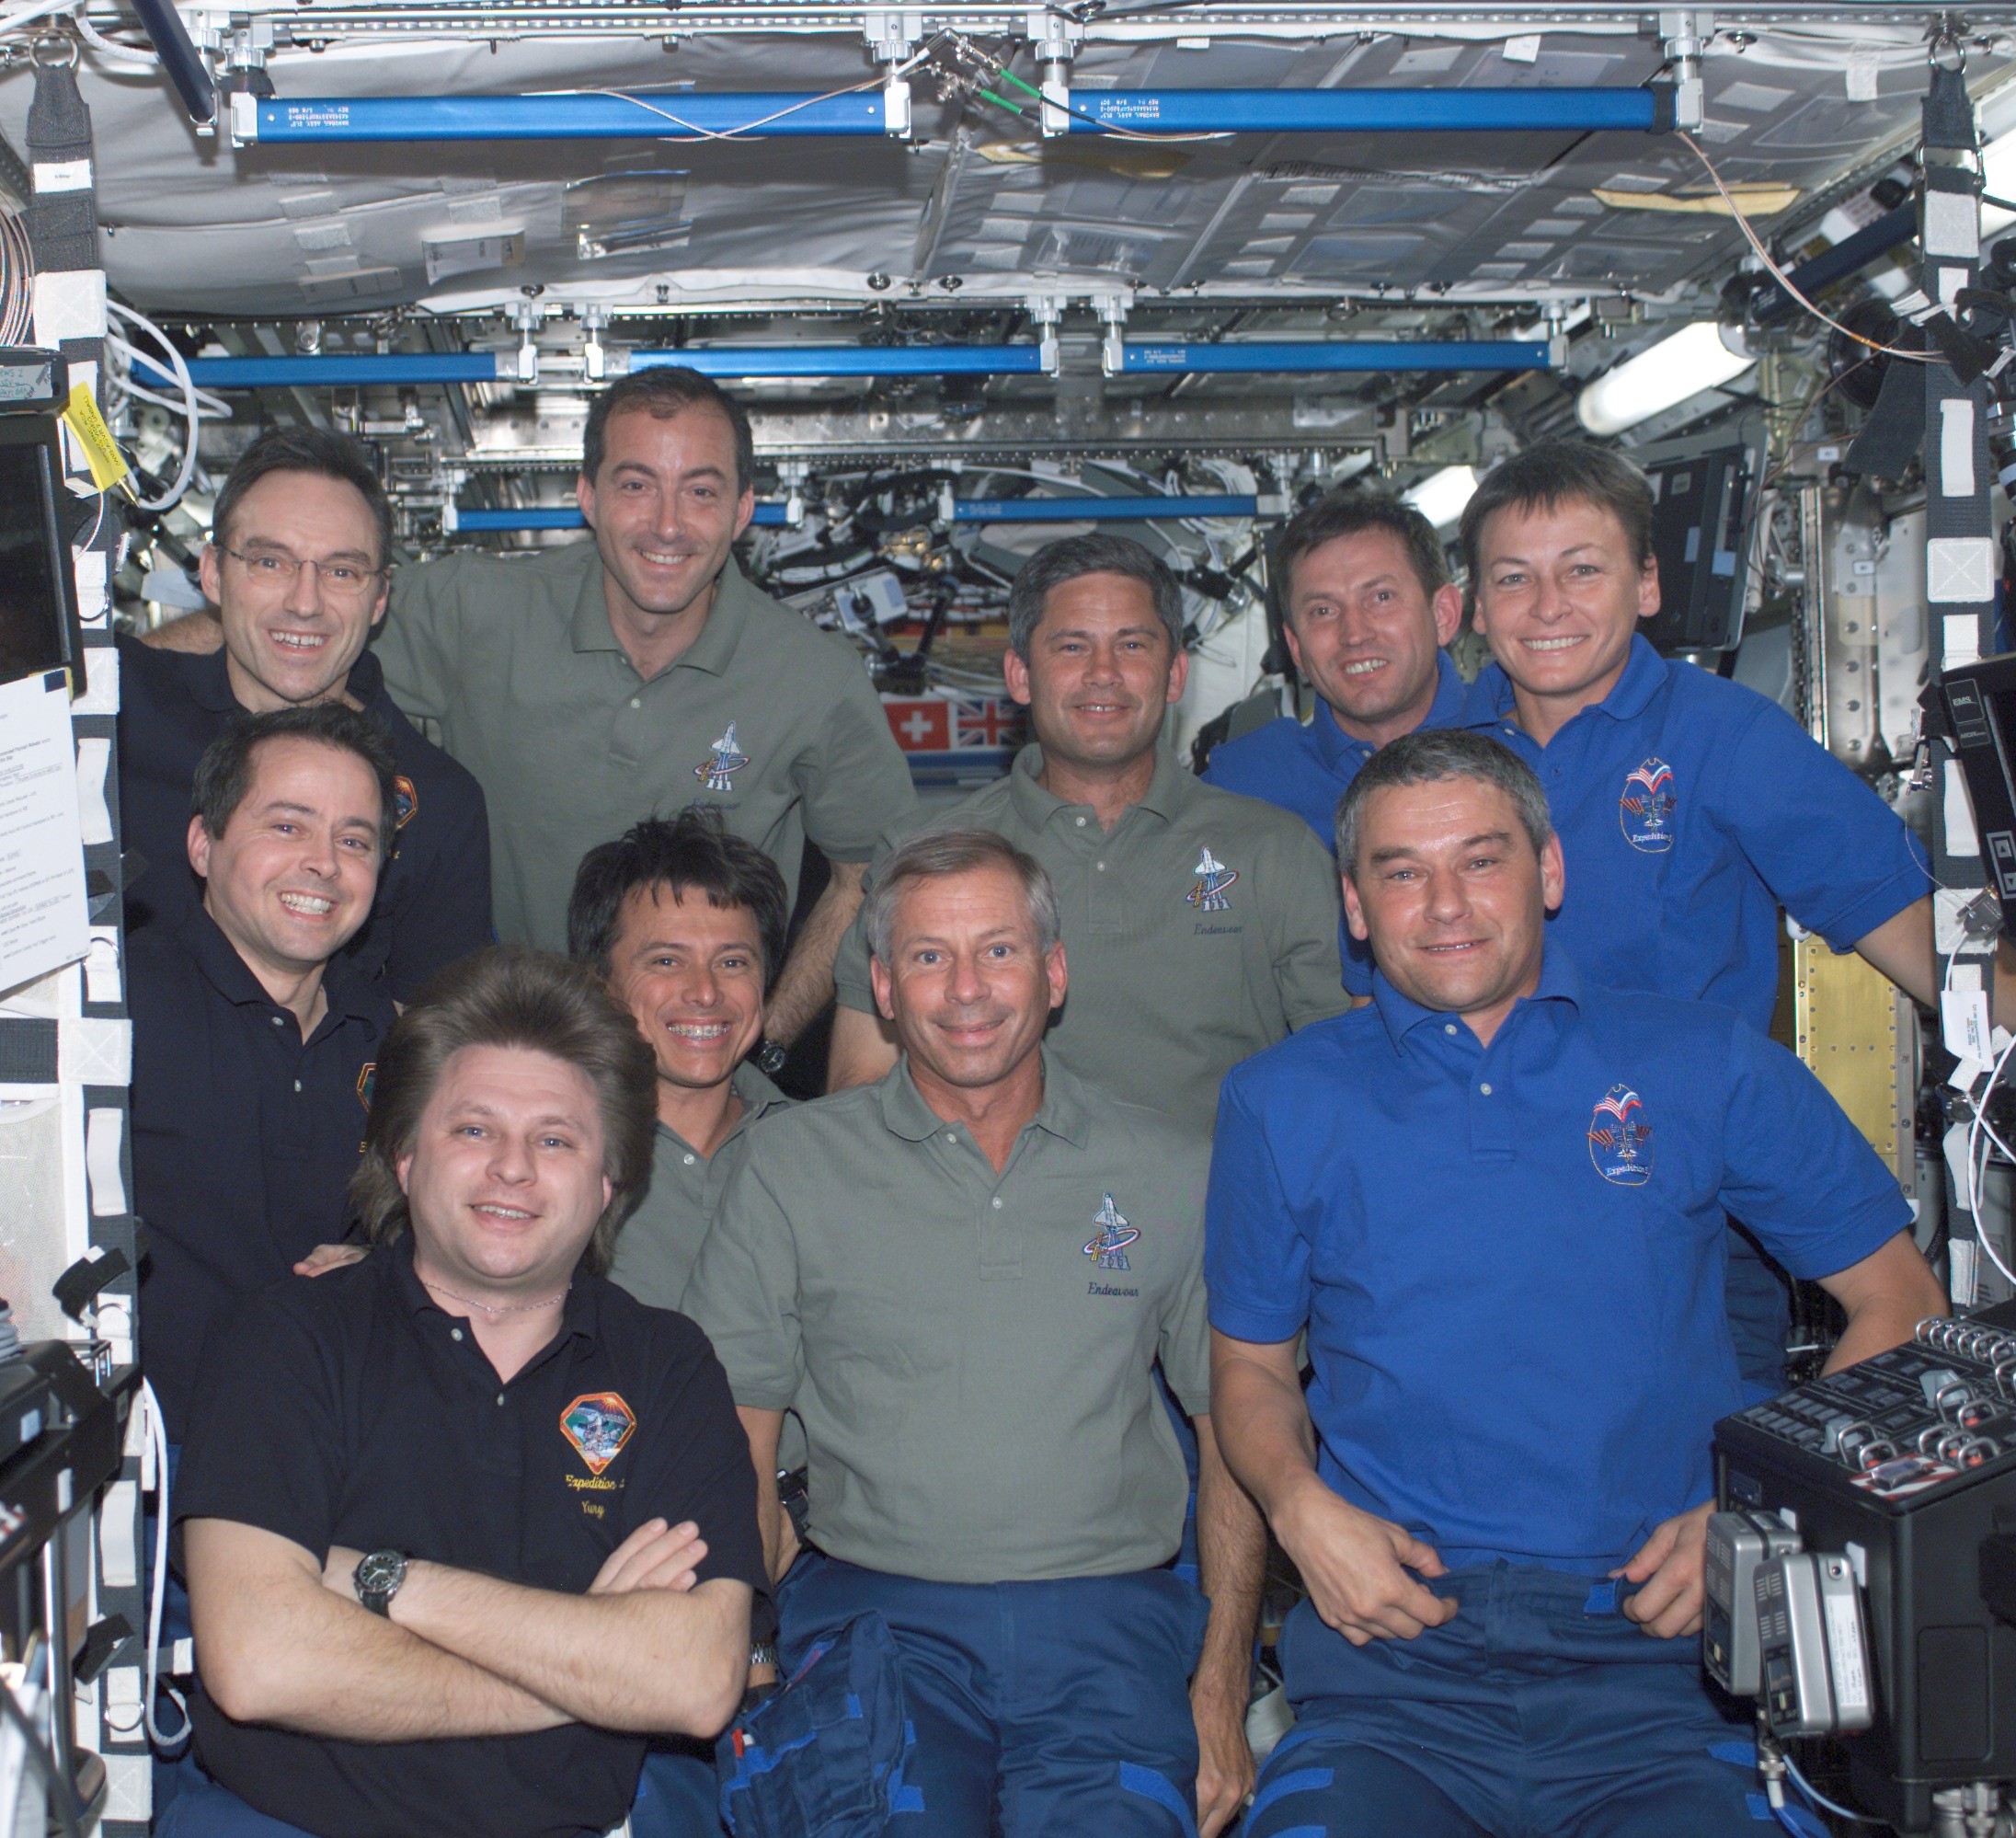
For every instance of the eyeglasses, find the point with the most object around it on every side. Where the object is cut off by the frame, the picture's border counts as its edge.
(277, 568)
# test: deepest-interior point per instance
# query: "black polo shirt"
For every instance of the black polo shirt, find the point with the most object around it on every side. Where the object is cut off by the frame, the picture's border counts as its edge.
(245, 1135)
(353, 1410)
(433, 902)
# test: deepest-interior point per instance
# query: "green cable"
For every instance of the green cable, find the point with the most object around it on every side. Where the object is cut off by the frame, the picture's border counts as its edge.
(1012, 108)
(1028, 88)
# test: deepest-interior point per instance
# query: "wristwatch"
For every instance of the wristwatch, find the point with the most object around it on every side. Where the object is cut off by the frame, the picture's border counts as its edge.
(377, 1578)
(769, 1057)
(763, 1653)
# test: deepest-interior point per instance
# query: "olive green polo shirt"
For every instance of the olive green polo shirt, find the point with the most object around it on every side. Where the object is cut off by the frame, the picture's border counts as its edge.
(1200, 928)
(514, 664)
(971, 1353)
(655, 1248)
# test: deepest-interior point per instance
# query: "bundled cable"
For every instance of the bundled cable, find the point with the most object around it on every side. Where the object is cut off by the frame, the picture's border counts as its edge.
(191, 403)
(16, 280)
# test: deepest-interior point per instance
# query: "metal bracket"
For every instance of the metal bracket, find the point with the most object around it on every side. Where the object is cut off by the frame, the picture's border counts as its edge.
(208, 32)
(1047, 313)
(891, 37)
(1056, 38)
(250, 42)
(527, 318)
(791, 474)
(1112, 347)
(1683, 42)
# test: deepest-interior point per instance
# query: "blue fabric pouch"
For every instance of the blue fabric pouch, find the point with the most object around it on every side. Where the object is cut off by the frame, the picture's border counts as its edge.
(824, 1758)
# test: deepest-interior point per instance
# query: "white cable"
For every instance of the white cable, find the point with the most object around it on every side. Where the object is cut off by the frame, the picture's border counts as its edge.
(213, 407)
(1978, 1154)
(158, 1435)
(133, 56)
(185, 472)
(26, 16)
(1822, 1801)
(1785, 281)
(749, 128)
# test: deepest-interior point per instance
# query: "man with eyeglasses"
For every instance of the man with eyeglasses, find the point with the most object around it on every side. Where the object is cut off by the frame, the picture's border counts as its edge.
(296, 566)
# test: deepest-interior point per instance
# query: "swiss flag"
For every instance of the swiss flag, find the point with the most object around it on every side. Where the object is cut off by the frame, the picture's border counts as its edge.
(922, 725)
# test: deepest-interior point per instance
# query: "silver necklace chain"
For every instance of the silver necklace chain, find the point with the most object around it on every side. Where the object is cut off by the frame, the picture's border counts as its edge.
(492, 1310)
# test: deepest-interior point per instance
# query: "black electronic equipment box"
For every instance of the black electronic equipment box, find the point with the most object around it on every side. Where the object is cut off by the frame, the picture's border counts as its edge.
(1701, 535)
(40, 629)
(1901, 1471)
(1978, 701)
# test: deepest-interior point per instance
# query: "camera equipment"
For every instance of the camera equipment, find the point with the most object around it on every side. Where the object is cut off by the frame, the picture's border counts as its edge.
(1860, 1576)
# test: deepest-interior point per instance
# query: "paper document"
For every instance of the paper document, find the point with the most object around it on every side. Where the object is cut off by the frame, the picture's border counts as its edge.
(44, 923)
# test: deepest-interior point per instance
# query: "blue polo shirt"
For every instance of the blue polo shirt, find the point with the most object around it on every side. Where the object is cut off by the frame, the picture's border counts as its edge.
(1509, 1259)
(1307, 769)
(1689, 809)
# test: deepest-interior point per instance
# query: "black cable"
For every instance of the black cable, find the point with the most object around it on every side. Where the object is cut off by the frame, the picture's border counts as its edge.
(63, 1794)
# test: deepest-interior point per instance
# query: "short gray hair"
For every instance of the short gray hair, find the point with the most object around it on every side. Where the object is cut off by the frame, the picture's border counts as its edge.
(939, 853)
(1430, 755)
(1071, 556)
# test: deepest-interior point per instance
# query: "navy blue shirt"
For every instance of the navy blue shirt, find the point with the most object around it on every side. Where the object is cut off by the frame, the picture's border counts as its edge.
(1509, 1259)
(1689, 809)
(434, 903)
(1307, 769)
(245, 1135)
(354, 1410)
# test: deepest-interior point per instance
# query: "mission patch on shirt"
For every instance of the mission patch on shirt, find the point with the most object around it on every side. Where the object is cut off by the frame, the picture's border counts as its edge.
(970, 1353)
(515, 666)
(1200, 928)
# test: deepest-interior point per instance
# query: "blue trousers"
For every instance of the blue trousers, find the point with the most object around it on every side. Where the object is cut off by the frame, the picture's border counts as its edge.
(1539, 1712)
(1042, 1709)
(200, 1808)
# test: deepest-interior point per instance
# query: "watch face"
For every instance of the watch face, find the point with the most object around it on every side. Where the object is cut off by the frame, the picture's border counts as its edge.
(381, 1570)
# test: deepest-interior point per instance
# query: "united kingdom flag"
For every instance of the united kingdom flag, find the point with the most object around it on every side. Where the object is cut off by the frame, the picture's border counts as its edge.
(988, 723)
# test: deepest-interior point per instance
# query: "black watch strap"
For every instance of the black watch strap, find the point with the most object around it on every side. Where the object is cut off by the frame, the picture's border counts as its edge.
(377, 1578)
(770, 1057)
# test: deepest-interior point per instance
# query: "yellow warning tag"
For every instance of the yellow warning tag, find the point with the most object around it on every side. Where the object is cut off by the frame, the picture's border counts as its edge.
(101, 451)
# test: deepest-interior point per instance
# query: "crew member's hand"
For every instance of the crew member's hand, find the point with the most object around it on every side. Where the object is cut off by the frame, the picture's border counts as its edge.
(327, 1258)
(655, 1555)
(199, 632)
(1225, 1772)
(1362, 1572)
(1669, 1568)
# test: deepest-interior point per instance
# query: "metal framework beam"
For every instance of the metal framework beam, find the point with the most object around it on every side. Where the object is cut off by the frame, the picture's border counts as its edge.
(805, 363)
(347, 370)
(309, 22)
(1383, 111)
(1333, 354)
(681, 115)
(1087, 509)
(814, 361)
(676, 114)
